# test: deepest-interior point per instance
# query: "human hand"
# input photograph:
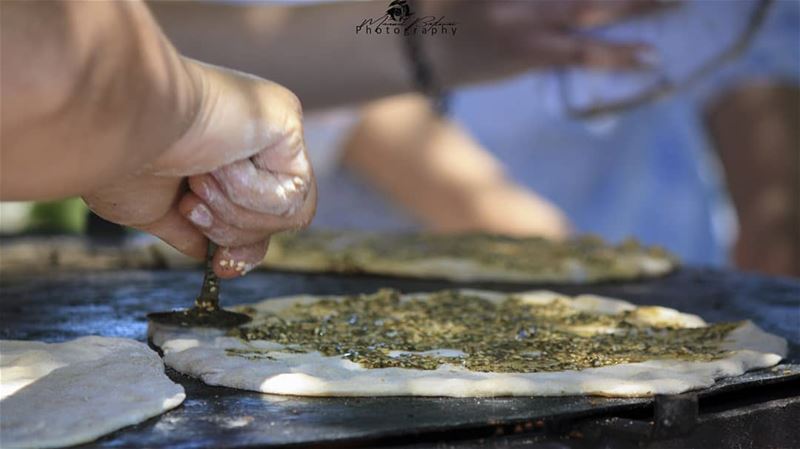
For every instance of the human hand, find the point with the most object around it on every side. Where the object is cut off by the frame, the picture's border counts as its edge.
(504, 37)
(237, 175)
(150, 139)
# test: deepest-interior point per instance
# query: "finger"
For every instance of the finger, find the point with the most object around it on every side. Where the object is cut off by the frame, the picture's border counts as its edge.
(571, 50)
(262, 191)
(233, 262)
(179, 233)
(149, 203)
(208, 189)
(287, 156)
(596, 13)
(239, 116)
(570, 14)
(215, 227)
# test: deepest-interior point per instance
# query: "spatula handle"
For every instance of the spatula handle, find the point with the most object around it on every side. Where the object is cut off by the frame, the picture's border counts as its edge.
(209, 294)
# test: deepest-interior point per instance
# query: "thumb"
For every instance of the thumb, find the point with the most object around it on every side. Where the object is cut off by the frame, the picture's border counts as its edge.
(247, 133)
(239, 116)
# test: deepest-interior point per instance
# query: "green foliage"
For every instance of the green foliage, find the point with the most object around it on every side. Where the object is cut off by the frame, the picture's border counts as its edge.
(63, 216)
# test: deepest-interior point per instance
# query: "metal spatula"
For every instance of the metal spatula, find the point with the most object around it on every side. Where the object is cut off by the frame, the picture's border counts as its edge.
(206, 311)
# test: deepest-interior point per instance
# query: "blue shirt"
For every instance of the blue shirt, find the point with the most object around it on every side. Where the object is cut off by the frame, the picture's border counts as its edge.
(649, 172)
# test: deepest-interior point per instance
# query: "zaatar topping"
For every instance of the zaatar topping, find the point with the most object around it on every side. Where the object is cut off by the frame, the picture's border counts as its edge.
(382, 331)
(354, 252)
(249, 354)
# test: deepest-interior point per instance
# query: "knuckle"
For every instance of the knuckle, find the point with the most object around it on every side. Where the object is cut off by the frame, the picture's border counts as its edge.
(302, 222)
(249, 222)
(238, 221)
(293, 139)
(290, 100)
(221, 238)
(232, 186)
(292, 131)
(304, 219)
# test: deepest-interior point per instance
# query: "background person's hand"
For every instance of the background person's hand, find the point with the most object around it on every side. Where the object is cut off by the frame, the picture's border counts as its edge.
(97, 103)
(501, 38)
(494, 39)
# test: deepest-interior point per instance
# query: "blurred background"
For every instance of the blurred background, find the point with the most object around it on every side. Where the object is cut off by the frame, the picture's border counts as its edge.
(692, 145)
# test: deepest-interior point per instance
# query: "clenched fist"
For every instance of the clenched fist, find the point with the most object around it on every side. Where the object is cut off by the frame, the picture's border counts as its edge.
(97, 102)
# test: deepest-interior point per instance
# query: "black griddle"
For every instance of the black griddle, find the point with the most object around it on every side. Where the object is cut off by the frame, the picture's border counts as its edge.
(760, 409)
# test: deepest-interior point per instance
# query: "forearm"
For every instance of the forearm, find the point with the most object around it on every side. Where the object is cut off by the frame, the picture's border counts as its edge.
(313, 50)
(441, 175)
(69, 72)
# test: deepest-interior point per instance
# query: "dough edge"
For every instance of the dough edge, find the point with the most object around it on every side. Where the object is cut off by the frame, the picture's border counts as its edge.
(201, 353)
(141, 391)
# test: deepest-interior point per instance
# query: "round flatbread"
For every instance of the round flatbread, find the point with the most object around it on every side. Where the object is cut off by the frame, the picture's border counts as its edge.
(61, 394)
(467, 257)
(465, 343)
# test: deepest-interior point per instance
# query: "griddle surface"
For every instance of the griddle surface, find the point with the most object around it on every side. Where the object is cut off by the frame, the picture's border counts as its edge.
(63, 306)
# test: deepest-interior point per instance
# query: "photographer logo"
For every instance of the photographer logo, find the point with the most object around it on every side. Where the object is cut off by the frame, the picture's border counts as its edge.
(400, 19)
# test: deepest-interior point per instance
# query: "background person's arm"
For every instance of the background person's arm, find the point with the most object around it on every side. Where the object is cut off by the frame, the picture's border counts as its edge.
(441, 175)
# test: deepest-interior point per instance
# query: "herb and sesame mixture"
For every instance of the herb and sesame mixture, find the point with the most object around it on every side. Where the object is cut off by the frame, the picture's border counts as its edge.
(343, 251)
(523, 254)
(382, 330)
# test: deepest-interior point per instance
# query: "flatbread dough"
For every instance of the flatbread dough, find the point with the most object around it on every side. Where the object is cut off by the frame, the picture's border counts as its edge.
(467, 257)
(61, 394)
(270, 367)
